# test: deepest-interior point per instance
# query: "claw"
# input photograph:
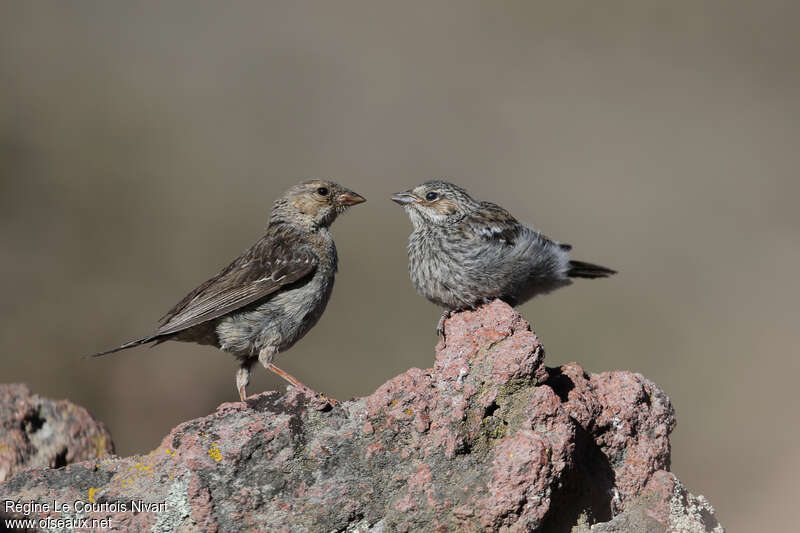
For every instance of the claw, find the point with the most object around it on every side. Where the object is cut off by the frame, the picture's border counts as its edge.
(332, 401)
(440, 325)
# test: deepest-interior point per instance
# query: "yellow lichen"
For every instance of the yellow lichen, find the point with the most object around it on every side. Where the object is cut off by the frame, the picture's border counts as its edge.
(215, 453)
(100, 444)
(142, 467)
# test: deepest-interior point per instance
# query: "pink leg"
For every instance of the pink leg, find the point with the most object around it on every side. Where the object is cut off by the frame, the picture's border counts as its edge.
(297, 383)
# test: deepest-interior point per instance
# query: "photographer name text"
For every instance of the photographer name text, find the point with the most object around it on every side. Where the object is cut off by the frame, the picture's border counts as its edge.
(81, 506)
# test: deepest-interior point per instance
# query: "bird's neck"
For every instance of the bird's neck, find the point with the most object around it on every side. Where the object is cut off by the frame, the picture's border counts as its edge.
(319, 238)
(288, 230)
(285, 215)
(326, 249)
(426, 225)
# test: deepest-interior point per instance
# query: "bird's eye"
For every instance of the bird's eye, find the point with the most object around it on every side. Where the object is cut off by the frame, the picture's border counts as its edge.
(431, 196)
(322, 191)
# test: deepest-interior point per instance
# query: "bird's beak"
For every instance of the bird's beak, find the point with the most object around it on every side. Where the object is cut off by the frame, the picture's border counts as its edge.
(350, 198)
(404, 198)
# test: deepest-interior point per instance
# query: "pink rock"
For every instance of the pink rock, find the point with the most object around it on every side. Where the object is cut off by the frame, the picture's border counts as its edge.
(520, 482)
(634, 424)
(488, 439)
(37, 432)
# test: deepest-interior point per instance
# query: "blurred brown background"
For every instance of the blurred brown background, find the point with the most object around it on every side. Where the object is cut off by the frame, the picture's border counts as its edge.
(142, 145)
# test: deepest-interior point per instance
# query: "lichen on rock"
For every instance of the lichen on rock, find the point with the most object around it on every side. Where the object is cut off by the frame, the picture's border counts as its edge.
(38, 432)
(488, 439)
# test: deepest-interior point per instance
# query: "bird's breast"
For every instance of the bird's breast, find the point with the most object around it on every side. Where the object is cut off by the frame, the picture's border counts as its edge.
(286, 315)
(433, 270)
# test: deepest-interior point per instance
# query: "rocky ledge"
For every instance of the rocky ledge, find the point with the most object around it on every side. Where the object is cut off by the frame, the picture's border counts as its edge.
(489, 439)
(36, 432)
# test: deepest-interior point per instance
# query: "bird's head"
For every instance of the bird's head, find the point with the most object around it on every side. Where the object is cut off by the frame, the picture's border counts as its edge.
(435, 202)
(314, 204)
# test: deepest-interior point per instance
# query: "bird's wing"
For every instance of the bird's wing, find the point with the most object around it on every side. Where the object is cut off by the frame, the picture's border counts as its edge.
(493, 224)
(260, 271)
(496, 225)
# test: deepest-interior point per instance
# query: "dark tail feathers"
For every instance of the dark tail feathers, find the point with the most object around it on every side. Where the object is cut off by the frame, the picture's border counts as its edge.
(579, 269)
(132, 344)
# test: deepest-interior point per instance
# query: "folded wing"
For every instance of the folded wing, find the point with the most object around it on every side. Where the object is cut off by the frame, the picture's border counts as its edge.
(260, 271)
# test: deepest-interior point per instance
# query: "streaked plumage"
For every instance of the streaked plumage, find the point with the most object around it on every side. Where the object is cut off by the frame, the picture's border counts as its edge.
(274, 292)
(463, 252)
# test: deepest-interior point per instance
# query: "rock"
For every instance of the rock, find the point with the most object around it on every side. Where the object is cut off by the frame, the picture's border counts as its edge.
(487, 440)
(663, 505)
(39, 432)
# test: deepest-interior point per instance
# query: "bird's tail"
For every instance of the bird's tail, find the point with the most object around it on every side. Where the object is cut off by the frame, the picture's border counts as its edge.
(579, 269)
(132, 344)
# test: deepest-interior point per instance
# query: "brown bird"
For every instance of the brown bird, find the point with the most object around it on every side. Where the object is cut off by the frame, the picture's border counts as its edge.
(464, 252)
(273, 293)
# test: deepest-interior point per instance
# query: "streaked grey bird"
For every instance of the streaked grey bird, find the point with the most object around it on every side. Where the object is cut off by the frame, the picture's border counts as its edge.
(463, 253)
(273, 293)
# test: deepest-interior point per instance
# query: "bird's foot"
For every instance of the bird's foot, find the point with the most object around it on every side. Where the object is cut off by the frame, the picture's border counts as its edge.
(333, 401)
(302, 387)
(440, 325)
(320, 402)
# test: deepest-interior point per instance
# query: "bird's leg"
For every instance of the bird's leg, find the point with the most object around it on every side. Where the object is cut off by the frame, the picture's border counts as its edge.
(291, 379)
(242, 379)
(266, 355)
(440, 326)
(296, 383)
